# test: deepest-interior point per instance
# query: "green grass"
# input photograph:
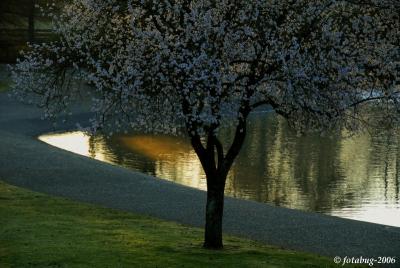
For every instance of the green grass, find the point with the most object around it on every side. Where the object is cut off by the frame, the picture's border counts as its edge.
(4, 85)
(5, 79)
(37, 230)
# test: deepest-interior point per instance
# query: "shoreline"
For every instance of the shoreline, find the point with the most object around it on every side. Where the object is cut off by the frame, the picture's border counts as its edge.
(30, 163)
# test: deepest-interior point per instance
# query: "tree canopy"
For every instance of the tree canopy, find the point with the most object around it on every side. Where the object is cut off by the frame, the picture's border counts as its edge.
(200, 63)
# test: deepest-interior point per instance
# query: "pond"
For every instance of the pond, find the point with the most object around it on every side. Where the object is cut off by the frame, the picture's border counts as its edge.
(356, 178)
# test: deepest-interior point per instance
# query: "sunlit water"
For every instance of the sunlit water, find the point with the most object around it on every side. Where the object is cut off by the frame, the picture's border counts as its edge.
(356, 178)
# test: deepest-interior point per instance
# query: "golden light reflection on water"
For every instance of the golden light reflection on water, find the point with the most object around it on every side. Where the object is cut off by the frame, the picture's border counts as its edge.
(355, 178)
(173, 158)
(157, 147)
(76, 142)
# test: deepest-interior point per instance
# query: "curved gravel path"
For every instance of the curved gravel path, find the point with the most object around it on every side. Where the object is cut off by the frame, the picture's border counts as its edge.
(30, 163)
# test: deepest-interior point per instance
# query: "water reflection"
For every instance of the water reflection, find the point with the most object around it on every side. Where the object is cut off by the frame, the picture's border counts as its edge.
(354, 178)
(173, 158)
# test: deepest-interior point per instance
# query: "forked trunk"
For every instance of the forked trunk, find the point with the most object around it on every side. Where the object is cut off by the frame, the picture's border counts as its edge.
(216, 166)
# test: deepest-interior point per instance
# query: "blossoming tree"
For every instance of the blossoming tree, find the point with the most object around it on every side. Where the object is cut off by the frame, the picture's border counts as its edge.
(194, 65)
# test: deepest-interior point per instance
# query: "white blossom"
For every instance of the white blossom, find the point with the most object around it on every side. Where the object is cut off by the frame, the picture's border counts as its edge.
(168, 65)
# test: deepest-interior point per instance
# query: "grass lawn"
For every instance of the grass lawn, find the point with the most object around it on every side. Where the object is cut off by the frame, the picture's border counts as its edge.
(37, 230)
(5, 80)
(4, 85)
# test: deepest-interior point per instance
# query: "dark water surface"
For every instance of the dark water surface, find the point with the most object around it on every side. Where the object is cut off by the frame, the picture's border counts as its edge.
(356, 178)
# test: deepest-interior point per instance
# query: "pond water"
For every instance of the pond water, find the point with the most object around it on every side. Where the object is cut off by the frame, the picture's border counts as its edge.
(356, 178)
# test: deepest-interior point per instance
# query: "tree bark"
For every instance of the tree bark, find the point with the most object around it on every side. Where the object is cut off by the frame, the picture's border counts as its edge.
(216, 173)
(214, 214)
(31, 21)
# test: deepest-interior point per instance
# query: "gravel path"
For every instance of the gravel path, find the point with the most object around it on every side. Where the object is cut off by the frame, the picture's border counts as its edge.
(30, 163)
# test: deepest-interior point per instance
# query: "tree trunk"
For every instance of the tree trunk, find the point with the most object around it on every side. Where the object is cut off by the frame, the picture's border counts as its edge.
(216, 173)
(31, 21)
(214, 213)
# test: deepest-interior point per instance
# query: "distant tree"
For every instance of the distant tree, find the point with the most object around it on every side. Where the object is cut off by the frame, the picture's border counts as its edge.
(192, 66)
